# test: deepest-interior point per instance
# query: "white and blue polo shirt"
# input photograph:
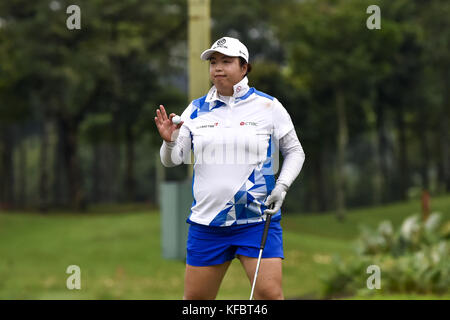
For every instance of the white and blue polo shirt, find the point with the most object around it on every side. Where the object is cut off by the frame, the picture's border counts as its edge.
(235, 147)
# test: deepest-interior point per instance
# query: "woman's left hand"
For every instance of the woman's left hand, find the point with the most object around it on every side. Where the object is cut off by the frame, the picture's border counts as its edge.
(277, 197)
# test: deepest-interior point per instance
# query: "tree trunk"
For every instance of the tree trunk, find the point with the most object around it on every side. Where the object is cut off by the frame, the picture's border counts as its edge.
(59, 182)
(403, 156)
(342, 139)
(114, 161)
(43, 167)
(445, 153)
(323, 195)
(425, 154)
(382, 143)
(444, 160)
(96, 172)
(22, 173)
(72, 165)
(424, 148)
(312, 197)
(6, 168)
(130, 181)
(320, 199)
(377, 178)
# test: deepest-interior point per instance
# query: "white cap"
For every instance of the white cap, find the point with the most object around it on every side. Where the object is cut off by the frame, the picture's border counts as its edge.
(228, 46)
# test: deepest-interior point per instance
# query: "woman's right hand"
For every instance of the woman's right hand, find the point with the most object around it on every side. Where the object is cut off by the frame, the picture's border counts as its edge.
(165, 125)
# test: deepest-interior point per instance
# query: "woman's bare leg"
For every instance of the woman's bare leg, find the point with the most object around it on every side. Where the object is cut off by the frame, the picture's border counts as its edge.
(268, 285)
(202, 283)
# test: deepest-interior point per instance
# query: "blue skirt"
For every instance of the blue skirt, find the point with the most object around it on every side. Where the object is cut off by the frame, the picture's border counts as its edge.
(207, 246)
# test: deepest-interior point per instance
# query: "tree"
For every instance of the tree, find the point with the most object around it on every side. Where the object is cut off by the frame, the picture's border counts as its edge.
(328, 57)
(73, 71)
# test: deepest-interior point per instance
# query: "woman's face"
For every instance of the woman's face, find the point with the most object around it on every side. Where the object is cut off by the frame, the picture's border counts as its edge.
(225, 72)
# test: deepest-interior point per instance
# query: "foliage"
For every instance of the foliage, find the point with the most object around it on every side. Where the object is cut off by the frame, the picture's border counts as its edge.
(414, 258)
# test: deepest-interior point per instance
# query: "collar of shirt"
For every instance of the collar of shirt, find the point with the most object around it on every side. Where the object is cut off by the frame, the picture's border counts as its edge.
(239, 89)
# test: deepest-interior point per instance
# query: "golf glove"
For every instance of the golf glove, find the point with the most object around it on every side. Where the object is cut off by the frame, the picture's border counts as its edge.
(276, 197)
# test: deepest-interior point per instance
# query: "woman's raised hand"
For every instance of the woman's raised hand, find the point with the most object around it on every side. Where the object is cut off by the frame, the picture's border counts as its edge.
(165, 125)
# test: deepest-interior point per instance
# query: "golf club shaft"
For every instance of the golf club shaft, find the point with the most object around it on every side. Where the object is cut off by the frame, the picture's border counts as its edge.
(261, 249)
(256, 273)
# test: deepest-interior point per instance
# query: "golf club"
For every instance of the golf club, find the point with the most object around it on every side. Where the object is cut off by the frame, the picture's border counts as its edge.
(261, 247)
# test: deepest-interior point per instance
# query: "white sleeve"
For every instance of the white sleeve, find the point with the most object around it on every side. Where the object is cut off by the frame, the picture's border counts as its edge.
(293, 156)
(179, 150)
(282, 122)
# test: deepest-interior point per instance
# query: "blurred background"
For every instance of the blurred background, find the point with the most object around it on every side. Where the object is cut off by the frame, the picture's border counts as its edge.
(80, 172)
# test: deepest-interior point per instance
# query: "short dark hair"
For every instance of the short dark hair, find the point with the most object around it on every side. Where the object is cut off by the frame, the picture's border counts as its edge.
(242, 62)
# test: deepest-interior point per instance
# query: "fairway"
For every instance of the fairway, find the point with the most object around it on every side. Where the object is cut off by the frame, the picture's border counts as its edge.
(120, 253)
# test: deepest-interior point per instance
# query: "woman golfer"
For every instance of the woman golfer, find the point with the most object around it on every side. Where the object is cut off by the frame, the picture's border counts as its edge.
(233, 132)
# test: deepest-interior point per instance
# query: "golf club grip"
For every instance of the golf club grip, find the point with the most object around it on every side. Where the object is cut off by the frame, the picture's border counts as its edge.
(266, 231)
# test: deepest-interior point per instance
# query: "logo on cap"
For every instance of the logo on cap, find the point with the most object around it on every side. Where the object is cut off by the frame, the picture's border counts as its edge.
(221, 44)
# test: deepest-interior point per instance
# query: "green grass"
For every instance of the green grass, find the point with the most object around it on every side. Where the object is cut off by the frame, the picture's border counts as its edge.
(120, 253)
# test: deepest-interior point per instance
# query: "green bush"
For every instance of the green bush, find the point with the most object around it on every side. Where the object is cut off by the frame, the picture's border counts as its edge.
(413, 259)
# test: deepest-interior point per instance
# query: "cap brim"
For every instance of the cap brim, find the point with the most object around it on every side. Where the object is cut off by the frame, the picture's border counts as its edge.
(207, 53)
